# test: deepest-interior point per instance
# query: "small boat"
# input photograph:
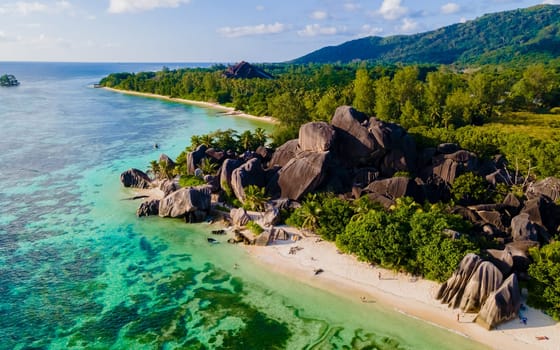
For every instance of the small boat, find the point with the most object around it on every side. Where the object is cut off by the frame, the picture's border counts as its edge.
(212, 240)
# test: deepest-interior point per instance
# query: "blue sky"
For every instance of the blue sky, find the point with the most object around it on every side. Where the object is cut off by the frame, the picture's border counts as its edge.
(215, 30)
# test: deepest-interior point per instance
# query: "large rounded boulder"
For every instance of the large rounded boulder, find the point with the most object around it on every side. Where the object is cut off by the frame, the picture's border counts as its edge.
(486, 279)
(284, 153)
(302, 174)
(135, 178)
(250, 173)
(316, 137)
(354, 141)
(185, 201)
(451, 291)
(501, 305)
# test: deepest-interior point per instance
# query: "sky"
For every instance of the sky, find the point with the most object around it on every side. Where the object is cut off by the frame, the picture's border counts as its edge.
(215, 30)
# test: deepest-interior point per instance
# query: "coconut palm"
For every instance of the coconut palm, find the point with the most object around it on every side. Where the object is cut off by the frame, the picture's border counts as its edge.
(154, 168)
(255, 198)
(207, 166)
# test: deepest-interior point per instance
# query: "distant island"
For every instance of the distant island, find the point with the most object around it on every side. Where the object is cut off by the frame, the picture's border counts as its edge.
(8, 80)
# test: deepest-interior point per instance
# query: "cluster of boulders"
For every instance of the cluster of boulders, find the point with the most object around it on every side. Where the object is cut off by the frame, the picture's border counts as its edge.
(488, 287)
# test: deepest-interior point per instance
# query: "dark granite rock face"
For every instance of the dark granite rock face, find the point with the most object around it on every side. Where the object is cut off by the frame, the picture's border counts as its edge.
(135, 178)
(167, 161)
(244, 70)
(185, 201)
(250, 173)
(501, 305)
(486, 279)
(316, 137)
(354, 141)
(549, 187)
(284, 153)
(226, 170)
(393, 188)
(451, 292)
(169, 186)
(148, 208)
(194, 158)
(215, 155)
(302, 174)
(523, 229)
(239, 217)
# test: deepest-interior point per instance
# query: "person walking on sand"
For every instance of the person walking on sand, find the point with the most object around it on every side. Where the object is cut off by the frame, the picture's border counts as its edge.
(379, 275)
(457, 317)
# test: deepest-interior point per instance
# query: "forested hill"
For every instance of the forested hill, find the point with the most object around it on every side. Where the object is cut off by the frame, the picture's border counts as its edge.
(520, 35)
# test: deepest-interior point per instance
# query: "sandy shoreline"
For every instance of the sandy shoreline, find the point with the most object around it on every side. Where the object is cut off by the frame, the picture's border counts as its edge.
(227, 111)
(343, 274)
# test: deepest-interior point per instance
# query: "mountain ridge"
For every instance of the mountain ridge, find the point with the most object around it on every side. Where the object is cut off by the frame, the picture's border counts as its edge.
(492, 38)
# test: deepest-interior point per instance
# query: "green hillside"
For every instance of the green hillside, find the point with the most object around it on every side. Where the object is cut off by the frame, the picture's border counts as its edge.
(519, 35)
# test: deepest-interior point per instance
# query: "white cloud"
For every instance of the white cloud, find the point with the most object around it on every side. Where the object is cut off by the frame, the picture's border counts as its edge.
(392, 9)
(317, 29)
(123, 6)
(352, 6)
(408, 25)
(551, 2)
(259, 8)
(368, 30)
(319, 15)
(260, 29)
(26, 7)
(450, 8)
(463, 20)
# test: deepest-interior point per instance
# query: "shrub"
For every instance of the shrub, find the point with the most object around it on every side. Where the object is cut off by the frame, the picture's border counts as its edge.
(190, 181)
(469, 188)
(544, 287)
(255, 228)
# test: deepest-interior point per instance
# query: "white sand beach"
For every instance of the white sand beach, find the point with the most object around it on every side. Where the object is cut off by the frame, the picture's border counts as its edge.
(227, 111)
(345, 275)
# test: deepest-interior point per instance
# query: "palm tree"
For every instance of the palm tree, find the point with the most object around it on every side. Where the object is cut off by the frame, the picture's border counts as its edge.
(310, 211)
(207, 166)
(260, 136)
(255, 198)
(246, 140)
(154, 168)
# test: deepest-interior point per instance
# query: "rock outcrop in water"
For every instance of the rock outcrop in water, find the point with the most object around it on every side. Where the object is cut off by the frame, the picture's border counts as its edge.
(135, 178)
(8, 80)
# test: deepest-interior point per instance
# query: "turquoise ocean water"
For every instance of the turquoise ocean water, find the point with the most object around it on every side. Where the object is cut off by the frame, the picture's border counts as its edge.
(78, 270)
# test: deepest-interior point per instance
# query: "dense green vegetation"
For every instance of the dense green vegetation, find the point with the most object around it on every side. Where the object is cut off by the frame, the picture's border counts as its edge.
(519, 35)
(545, 283)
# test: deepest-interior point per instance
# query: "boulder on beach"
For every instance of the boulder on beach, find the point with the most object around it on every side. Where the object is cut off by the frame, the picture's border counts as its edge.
(451, 291)
(148, 208)
(239, 216)
(501, 305)
(185, 201)
(135, 178)
(486, 279)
